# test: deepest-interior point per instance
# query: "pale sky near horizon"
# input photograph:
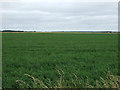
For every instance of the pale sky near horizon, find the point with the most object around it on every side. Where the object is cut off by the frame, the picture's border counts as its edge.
(60, 15)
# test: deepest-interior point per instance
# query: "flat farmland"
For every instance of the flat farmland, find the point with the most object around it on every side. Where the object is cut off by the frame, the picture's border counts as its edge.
(49, 55)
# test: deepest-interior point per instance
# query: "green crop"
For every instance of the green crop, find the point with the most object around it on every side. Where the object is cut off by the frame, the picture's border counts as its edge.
(41, 54)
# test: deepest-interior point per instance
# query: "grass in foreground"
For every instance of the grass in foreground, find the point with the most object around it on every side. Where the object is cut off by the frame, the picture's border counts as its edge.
(110, 81)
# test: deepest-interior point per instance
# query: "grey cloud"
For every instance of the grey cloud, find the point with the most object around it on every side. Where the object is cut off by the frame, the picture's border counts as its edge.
(62, 15)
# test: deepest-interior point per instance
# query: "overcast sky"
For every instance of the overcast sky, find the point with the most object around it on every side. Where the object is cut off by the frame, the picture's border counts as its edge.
(59, 15)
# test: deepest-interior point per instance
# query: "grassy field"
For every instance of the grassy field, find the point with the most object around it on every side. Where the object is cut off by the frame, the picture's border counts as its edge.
(43, 55)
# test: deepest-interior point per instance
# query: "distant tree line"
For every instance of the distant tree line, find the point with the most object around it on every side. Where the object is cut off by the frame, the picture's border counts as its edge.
(61, 31)
(11, 31)
(15, 31)
(106, 31)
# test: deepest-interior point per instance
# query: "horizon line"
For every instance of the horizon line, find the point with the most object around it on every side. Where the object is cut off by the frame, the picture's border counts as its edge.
(17, 30)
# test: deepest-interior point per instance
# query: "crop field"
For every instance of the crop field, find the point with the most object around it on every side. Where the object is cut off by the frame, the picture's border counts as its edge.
(54, 55)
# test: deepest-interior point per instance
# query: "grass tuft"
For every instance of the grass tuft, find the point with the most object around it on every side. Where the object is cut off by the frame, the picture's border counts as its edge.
(110, 81)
